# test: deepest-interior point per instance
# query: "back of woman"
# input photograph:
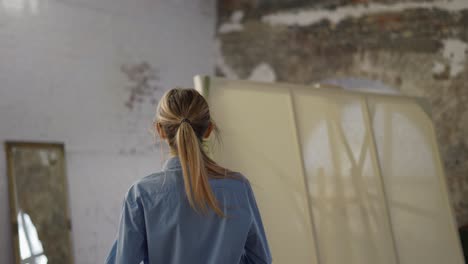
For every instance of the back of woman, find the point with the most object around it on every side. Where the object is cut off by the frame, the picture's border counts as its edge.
(193, 210)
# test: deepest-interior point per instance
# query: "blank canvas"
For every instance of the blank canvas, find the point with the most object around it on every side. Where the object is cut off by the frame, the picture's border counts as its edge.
(340, 177)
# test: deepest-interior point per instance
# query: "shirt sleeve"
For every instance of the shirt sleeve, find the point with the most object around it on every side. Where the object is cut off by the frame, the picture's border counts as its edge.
(130, 245)
(256, 247)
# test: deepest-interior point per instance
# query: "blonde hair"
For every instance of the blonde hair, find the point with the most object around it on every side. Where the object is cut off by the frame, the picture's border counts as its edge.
(184, 116)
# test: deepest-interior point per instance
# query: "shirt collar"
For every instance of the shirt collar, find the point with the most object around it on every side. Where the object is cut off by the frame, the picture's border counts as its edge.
(172, 163)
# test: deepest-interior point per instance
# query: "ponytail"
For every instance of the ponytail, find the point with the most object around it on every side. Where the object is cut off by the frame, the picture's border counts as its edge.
(194, 164)
(185, 138)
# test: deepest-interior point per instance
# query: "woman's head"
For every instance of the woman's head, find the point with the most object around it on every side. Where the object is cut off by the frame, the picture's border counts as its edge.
(177, 104)
(183, 120)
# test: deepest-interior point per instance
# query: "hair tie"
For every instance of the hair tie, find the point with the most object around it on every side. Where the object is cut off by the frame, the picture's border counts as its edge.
(185, 120)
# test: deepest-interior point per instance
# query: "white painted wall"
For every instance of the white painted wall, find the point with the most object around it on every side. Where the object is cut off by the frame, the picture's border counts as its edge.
(60, 80)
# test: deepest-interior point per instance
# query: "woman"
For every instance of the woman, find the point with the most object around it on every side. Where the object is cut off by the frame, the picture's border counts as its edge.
(193, 211)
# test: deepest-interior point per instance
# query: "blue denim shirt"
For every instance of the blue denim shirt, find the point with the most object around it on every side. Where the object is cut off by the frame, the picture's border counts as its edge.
(157, 224)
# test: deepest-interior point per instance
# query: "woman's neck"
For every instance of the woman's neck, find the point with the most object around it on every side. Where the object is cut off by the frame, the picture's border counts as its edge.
(172, 153)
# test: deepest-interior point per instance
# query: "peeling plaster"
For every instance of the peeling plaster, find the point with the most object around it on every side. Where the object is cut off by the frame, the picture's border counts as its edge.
(227, 71)
(438, 68)
(311, 16)
(233, 25)
(419, 50)
(263, 73)
(143, 81)
(455, 52)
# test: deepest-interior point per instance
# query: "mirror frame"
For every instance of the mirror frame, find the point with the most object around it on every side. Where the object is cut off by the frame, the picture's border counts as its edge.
(9, 146)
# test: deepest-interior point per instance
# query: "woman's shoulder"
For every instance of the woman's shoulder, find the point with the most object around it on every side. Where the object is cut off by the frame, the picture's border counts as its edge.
(152, 184)
(234, 180)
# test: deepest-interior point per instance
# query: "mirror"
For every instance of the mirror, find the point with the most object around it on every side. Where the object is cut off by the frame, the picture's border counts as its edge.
(39, 212)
